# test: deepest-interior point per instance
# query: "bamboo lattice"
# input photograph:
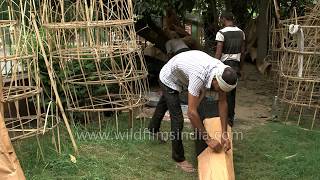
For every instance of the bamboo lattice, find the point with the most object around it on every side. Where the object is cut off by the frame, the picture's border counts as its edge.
(25, 110)
(95, 54)
(299, 65)
(276, 53)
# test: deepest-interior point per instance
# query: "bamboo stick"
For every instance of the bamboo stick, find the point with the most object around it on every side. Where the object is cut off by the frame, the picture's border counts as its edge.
(54, 86)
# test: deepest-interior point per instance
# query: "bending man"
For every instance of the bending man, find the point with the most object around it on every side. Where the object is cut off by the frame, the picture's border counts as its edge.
(195, 71)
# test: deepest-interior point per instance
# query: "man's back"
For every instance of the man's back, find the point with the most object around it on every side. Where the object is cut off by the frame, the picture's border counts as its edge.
(232, 38)
(193, 69)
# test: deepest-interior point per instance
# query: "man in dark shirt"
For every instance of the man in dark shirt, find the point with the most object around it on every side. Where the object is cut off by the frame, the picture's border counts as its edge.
(230, 50)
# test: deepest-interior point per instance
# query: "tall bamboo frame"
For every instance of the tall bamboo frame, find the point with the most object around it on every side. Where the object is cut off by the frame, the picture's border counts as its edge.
(299, 65)
(94, 44)
(26, 112)
(276, 53)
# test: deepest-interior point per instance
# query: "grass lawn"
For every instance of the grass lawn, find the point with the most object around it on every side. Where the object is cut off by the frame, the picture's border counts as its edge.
(277, 151)
(264, 153)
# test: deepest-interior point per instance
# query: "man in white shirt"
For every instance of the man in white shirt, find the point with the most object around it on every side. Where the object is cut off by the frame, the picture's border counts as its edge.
(196, 71)
(230, 50)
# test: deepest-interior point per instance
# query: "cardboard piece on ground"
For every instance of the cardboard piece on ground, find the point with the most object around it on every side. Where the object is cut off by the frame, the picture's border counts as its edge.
(9, 165)
(216, 166)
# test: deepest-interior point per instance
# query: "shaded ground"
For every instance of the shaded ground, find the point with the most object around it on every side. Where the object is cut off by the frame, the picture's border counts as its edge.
(254, 99)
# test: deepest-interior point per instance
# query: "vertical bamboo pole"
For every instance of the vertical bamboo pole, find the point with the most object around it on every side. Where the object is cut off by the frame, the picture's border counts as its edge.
(130, 122)
(54, 86)
(314, 118)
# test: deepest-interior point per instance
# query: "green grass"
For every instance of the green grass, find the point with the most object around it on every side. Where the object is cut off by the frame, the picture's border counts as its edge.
(104, 159)
(263, 151)
(260, 155)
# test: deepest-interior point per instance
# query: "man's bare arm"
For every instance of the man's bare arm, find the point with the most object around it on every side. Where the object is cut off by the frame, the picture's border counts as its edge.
(219, 50)
(223, 110)
(223, 113)
(193, 103)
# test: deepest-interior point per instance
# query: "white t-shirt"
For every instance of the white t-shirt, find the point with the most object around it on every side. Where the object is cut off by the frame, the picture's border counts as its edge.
(232, 37)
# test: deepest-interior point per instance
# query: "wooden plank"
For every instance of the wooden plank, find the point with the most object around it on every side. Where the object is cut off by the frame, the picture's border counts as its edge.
(216, 166)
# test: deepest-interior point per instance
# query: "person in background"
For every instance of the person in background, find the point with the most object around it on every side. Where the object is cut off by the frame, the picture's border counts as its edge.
(230, 50)
(175, 45)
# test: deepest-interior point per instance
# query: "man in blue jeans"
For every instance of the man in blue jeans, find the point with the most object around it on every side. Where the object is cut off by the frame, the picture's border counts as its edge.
(230, 50)
(196, 71)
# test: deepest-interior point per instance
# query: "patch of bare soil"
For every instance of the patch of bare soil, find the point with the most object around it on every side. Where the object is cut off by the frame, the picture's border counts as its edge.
(253, 100)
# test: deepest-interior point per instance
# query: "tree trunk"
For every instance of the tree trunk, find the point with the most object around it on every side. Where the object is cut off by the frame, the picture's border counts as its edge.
(262, 31)
(215, 14)
(211, 20)
(147, 29)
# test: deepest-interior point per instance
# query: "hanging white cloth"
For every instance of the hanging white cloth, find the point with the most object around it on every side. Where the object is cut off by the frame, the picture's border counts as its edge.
(296, 29)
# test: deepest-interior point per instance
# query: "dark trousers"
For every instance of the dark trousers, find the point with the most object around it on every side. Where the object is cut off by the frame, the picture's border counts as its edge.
(231, 96)
(208, 108)
(170, 101)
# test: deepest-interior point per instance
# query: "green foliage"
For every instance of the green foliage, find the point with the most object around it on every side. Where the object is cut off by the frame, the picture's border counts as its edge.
(158, 7)
(286, 7)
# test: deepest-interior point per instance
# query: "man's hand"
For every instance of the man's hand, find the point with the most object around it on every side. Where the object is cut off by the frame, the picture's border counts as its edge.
(225, 143)
(214, 144)
(223, 112)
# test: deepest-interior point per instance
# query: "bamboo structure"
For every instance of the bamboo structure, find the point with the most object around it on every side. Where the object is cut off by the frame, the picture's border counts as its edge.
(27, 112)
(275, 53)
(93, 51)
(19, 67)
(299, 65)
(10, 167)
